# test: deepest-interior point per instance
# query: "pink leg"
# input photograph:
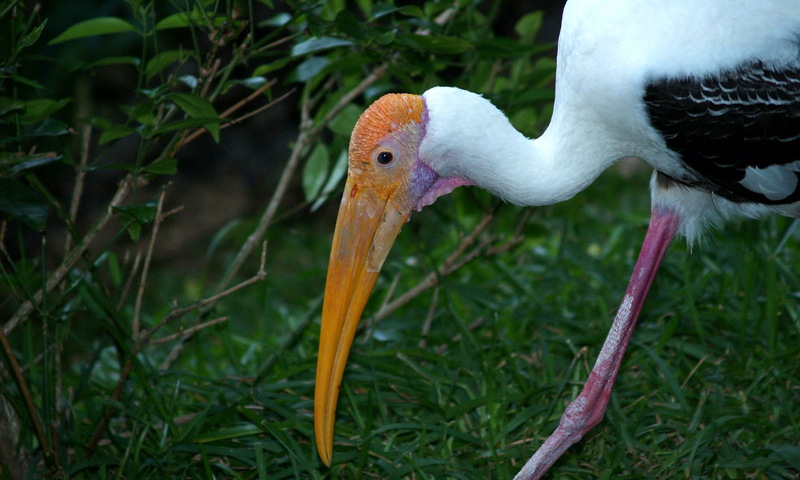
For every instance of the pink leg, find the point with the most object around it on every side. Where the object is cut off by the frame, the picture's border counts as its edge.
(589, 407)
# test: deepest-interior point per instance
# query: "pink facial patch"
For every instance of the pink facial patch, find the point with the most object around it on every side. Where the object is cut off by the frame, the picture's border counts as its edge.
(442, 186)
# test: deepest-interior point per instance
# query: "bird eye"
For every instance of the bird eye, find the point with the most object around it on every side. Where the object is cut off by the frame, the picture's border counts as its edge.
(385, 158)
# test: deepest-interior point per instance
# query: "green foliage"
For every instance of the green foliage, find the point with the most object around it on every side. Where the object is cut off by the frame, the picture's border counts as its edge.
(121, 363)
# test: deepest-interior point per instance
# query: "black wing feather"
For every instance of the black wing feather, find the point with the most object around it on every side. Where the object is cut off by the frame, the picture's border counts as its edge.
(721, 125)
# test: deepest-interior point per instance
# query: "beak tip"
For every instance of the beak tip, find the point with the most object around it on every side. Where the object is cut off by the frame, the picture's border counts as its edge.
(325, 453)
(326, 459)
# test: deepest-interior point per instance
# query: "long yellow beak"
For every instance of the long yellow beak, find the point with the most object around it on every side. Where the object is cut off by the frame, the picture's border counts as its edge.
(365, 231)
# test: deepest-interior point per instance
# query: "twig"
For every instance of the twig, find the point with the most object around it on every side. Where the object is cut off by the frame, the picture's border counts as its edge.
(137, 308)
(205, 302)
(456, 260)
(241, 103)
(516, 237)
(258, 110)
(426, 325)
(460, 257)
(80, 169)
(186, 332)
(129, 282)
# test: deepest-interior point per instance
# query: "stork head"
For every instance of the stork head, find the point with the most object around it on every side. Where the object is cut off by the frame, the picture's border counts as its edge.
(386, 180)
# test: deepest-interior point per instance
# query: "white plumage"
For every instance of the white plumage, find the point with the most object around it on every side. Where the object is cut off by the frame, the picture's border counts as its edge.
(608, 52)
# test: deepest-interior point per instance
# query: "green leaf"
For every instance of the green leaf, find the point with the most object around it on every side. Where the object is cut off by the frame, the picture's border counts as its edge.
(125, 167)
(337, 174)
(142, 112)
(189, 80)
(187, 19)
(22, 203)
(315, 171)
(46, 128)
(8, 105)
(440, 44)
(163, 60)
(278, 20)
(165, 166)
(113, 267)
(38, 110)
(49, 128)
(136, 216)
(194, 105)
(135, 231)
(182, 125)
(348, 24)
(412, 11)
(382, 9)
(198, 107)
(141, 213)
(180, 20)
(271, 67)
(311, 67)
(386, 37)
(316, 44)
(27, 81)
(27, 162)
(133, 61)
(253, 83)
(114, 132)
(93, 27)
(343, 123)
(32, 36)
(791, 454)
(528, 26)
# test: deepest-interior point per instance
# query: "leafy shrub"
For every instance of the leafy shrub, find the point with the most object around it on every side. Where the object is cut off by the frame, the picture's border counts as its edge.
(110, 375)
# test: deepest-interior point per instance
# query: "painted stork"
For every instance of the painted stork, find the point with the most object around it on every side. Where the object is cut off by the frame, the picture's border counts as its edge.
(707, 92)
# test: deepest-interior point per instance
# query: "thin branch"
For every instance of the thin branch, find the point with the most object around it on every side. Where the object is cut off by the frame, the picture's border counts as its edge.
(426, 325)
(129, 282)
(258, 110)
(80, 176)
(205, 302)
(241, 103)
(465, 252)
(137, 308)
(186, 332)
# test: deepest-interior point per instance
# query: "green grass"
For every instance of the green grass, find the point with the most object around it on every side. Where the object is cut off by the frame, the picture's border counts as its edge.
(708, 388)
(463, 382)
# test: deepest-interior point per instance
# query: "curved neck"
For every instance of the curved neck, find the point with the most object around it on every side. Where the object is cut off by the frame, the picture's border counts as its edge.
(466, 136)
